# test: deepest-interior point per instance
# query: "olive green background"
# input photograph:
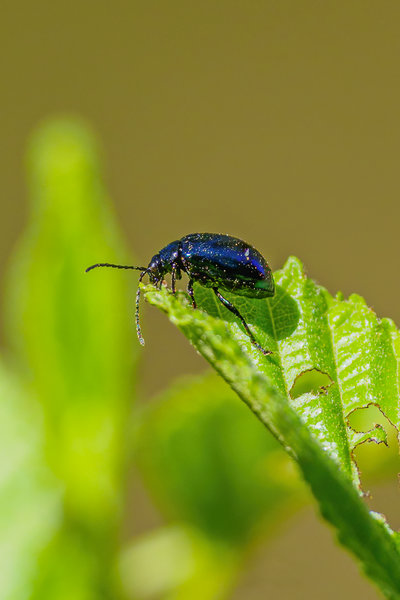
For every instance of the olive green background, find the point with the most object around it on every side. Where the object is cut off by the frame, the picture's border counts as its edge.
(277, 122)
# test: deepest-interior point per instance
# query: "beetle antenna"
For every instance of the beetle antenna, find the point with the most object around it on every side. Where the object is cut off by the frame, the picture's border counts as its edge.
(115, 267)
(138, 330)
(143, 273)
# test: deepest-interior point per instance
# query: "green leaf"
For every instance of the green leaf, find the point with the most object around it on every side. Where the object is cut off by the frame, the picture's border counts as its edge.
(73, 340)
(211, 465)
(308, 330)
(178, 563)
(219, 478)
(30, 495)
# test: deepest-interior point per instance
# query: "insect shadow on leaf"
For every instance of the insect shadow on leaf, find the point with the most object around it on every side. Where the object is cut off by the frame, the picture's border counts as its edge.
(275, 317)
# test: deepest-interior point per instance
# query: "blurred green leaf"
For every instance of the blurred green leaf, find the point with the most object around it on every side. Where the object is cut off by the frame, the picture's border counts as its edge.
(177, 563)
(30, 496)
(216, 473)
(212, 464)
(309, 330)
(72, 334)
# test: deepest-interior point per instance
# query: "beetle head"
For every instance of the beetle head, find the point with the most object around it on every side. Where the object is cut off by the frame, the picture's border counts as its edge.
(156, 269)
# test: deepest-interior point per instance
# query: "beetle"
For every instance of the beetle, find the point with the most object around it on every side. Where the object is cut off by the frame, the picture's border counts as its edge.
(214, 260)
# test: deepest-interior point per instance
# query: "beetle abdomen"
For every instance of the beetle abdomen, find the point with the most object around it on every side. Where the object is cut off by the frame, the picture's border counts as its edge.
(217, 260)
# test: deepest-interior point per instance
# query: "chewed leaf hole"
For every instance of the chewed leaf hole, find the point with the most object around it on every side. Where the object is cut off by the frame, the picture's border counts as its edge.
(312, 381)
(369, 424)
(378, 464)
(363, 419)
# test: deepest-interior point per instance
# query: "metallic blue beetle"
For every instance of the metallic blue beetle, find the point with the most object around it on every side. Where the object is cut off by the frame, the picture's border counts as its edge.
(213, 260)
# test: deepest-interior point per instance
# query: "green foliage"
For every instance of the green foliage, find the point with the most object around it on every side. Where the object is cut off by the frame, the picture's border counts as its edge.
(223, 482)
(211, 462)
(309, 330)
(30, 496)
(177, 563)
(72, 344)
(219, 476)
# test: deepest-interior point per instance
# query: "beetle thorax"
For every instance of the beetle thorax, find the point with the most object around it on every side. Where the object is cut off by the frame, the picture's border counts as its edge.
(163, 262)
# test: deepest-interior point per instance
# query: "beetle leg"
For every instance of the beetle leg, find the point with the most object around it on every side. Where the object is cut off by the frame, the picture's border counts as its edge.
(235, 311)
(173, 278)
(191, 292)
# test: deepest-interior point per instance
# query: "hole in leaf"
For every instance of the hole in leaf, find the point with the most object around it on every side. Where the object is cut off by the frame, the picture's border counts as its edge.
(378, 464)
(312, 381)
(362, 419)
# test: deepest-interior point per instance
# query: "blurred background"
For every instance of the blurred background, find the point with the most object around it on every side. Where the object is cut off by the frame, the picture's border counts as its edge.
(123, 128)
